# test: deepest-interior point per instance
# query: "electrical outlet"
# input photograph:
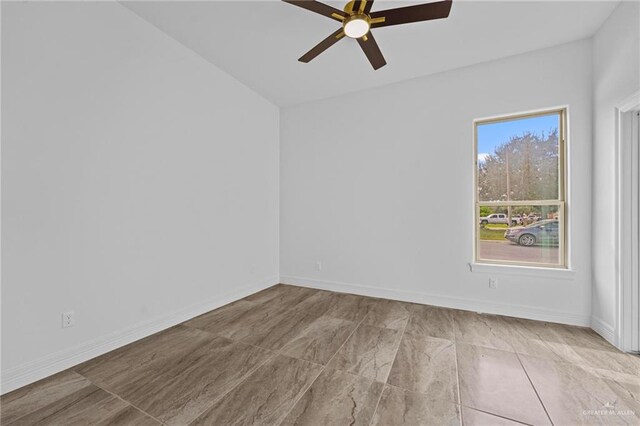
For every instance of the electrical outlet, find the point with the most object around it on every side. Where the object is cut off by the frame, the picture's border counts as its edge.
(318, 266)
(493, 283)
(68, 319)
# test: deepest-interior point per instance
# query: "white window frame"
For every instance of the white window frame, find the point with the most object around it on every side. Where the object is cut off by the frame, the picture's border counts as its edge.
(562, 270)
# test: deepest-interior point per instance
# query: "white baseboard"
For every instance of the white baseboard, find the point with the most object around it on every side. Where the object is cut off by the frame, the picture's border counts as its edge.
(519, 311)
(603, 329)
(35, 370)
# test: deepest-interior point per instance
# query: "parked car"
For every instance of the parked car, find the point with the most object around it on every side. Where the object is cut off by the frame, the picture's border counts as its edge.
(500, 218)
(517, 219)
(534, 217)
(545, 232)
(494, 218)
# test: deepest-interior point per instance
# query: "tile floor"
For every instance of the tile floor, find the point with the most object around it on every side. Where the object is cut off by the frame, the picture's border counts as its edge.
(290, 355)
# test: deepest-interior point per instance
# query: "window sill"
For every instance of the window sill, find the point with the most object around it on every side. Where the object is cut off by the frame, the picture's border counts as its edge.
(529, 271)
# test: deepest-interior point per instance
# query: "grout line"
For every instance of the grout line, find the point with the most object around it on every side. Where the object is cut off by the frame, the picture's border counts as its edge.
(121, 398)
(232, 339)
(496, 415)
(304, 391)
(397, 348)
(348, 337)
(455, 355)
(375, 410)
(240, 381)
(60, 409)
(274, 353)
(427, 396)
(324, 367)
(513, 351)
(534, 388)
(453, 327)
(458, 376)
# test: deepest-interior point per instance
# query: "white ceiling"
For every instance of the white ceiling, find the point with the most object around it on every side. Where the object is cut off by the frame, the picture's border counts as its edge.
(259, 42)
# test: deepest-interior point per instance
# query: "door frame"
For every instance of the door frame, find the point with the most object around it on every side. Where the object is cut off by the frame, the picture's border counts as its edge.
(627, 224)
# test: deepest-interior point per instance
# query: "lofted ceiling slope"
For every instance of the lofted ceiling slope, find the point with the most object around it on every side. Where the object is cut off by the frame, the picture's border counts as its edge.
(259, 42)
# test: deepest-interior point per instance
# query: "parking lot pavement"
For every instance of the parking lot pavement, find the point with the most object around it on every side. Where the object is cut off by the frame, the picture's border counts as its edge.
(506, 250)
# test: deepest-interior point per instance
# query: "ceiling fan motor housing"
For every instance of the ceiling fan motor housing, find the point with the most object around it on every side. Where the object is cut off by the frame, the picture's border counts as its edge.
(356, 25)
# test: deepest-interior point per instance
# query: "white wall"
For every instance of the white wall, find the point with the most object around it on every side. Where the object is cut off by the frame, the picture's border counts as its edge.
(139, 184)
(616, 76)
(378, 186)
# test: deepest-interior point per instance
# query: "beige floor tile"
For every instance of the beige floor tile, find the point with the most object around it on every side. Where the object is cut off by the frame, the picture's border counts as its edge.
(612, 360)
(480, 330)
(336, 398)
(266, 396)
(430, 321)
(320, 340)
(573, 395)
(282, 294)
(219, 318)
(400, 407)
(628, 383)
(581, 337)
(178, 389)
(471, 417)
(369, 352)
(349, 306)
(561, 339)
(494, 381)
(388, 314)
(278, 330)
(233, 320)
(426, 365)
(86, 405)
(522, 338)
(143, 356)
(256, 321)
(22, 401)
(252, 321)
(83, 407)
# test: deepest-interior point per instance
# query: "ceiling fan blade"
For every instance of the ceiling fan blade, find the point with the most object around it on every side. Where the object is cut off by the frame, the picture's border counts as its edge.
(371, 49)
(409, 14)
(317, 7)
(362, 6)
(322, 46)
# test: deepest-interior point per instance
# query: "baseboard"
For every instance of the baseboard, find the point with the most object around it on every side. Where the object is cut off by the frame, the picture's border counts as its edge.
(35, 370)
(604, 329)
(519, 311)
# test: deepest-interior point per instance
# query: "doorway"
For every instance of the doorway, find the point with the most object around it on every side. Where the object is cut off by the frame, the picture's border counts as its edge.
(629, 225)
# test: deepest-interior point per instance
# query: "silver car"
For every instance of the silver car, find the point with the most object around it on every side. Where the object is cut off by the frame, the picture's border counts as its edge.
(545, 232)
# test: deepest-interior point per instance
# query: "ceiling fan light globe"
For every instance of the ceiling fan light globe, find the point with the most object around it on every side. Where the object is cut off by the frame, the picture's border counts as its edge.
(356, 27)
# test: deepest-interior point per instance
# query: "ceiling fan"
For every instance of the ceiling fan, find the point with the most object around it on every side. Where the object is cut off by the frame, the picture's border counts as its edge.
(357, 21)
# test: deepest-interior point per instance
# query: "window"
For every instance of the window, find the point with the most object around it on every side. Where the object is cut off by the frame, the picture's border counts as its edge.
(520, 190)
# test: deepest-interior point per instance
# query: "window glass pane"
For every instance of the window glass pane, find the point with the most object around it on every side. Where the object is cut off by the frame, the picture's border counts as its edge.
(518, 159)
(520, 234)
